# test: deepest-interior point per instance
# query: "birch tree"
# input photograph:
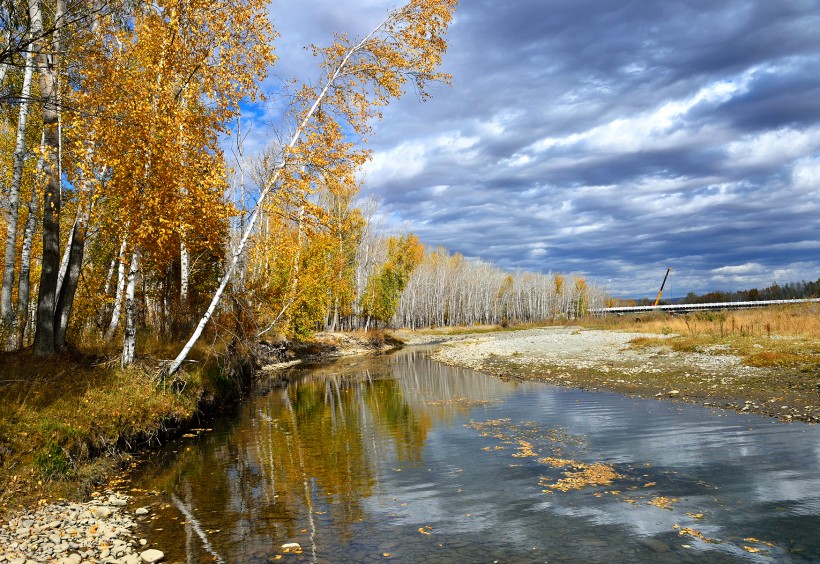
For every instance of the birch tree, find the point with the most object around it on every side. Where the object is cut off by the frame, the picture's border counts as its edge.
(6, 310)
(360, 76)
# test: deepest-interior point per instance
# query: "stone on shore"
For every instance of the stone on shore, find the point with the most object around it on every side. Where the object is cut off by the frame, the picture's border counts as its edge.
(152, 555)
(71, 533)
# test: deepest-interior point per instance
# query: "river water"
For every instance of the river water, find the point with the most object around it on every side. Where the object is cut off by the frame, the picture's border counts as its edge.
(404, 459)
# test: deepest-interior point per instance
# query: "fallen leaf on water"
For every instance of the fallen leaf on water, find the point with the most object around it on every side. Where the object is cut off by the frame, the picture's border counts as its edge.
(425, 530)
(386, 554)
(698, 516)
(751, 549)
(649, 484)
(758, 541)
(697, 534)
(663, 502)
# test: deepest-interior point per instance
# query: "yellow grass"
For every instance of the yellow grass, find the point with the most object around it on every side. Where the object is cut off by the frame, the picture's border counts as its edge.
(58, 415)
(779, 336)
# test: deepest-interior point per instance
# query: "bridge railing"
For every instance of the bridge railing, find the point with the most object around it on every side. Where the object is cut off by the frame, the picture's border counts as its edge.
(699, 307)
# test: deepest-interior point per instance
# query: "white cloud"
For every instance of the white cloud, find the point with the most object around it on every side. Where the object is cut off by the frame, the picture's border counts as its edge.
(806, 175)
(401, 162)
(748, 268)
(652, 130)
(773, 148)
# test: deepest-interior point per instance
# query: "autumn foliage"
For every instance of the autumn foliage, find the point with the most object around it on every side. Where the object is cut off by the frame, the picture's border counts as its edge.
(123, 169)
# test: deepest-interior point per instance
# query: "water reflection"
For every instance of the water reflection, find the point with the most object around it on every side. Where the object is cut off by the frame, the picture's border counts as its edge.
(372, 457)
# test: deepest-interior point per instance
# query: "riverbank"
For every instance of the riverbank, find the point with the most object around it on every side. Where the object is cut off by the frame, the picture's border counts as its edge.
(68, 423)
(635, 363)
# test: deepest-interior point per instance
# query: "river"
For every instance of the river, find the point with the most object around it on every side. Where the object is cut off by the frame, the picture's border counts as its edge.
(399, 458)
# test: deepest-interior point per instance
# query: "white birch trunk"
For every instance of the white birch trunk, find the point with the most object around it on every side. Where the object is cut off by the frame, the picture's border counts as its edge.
(129, 342)
(24, 287)
(185, 272)
(66, 253)
(6, 310)
(109, 277)
(269, 185)
(115, 314)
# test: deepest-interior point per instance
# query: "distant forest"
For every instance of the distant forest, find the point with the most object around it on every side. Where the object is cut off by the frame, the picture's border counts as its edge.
(789, 291)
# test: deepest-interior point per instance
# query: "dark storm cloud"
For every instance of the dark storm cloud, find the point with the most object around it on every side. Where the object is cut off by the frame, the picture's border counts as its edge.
(612, 138)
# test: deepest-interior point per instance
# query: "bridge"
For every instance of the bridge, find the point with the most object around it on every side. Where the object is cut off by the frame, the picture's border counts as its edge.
(683, 308)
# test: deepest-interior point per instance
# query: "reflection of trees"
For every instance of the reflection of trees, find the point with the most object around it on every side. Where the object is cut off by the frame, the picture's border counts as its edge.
(307, 455)
(443, 392)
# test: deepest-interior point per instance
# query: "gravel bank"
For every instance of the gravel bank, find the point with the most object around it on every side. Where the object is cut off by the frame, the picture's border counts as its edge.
(597, 359)
(101, 530)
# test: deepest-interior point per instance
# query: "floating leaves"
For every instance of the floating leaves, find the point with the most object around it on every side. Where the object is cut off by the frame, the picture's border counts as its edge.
(664, 502)
(426, 530)
(597, 474)
(687, 531)
(752, 539)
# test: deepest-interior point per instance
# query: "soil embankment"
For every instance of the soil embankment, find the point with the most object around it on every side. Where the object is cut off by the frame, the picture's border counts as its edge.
(605, 360)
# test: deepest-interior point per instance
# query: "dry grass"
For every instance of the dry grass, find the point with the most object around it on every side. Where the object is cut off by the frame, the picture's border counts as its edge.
(59, 415)
(781, 336)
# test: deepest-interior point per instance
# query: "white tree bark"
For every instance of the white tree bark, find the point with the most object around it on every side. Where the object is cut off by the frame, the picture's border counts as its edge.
(24, 287)
(185, 272)
(66, 253)
(129, 343)
(115, 313)
(6, 310)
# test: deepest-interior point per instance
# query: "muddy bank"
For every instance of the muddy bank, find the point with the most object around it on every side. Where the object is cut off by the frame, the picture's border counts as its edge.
(605, 360)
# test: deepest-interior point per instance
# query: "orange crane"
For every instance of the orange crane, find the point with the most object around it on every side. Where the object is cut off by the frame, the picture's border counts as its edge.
(658, 299)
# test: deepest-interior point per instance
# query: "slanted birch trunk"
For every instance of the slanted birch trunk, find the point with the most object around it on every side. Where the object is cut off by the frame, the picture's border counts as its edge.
(102, 314)
(115, 313)
(6, 309)
(66, 255)
(69, 286)
(129, 343)
(24, 287)
(269, 185)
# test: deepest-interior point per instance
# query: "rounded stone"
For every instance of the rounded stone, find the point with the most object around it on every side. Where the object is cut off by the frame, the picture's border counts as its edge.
(152, 555)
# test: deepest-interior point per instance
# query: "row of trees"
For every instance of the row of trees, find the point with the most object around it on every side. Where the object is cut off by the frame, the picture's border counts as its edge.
(448, 290)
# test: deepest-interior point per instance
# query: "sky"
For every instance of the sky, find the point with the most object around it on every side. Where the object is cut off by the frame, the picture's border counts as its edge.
(609, 138)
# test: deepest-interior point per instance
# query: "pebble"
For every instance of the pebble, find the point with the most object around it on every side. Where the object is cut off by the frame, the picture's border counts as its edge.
(152, 555)
(72, 533)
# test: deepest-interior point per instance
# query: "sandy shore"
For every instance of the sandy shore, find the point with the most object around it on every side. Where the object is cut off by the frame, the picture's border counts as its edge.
(595, 359)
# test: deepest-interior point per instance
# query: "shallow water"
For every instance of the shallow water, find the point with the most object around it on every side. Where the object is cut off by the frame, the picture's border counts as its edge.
(400, 458)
